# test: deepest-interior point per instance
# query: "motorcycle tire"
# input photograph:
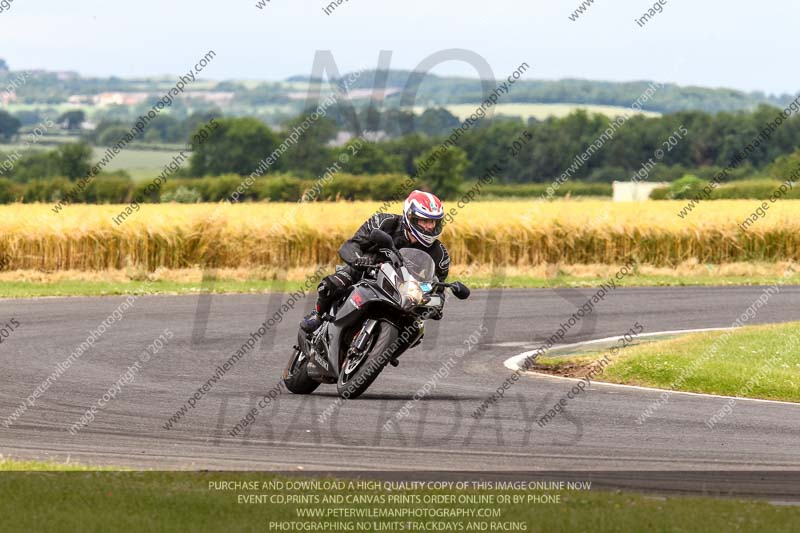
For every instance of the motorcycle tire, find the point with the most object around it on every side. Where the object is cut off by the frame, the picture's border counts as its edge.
(353, 382)
(295, 375)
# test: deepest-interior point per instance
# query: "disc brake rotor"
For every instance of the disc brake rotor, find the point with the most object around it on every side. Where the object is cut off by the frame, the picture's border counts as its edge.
(353, 362)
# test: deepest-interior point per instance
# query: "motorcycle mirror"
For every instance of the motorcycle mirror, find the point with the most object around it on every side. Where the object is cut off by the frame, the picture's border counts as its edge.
(460, 290)
(381, 238)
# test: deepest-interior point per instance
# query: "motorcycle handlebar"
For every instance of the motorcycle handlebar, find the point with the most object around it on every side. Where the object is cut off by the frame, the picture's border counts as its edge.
(460, 290)
(394, 258)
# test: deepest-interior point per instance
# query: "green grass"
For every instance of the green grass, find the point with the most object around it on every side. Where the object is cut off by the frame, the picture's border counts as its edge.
(558, 281)
(140, 164)
(29, 289)
(751, 361)
(32, 289)
(12, 465)
(22, 147)
(42, 107)
(188, 501)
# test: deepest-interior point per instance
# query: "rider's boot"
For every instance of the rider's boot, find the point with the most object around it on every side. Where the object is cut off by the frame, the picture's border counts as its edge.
(313, 320)
(327, 292)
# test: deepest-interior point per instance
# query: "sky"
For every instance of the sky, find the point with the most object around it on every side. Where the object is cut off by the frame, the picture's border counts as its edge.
(736, 44)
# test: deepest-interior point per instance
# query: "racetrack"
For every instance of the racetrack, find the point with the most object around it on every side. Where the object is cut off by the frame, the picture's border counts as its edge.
(597, 432)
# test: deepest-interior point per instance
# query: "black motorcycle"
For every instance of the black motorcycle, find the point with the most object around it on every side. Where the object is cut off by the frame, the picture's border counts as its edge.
(380, 318)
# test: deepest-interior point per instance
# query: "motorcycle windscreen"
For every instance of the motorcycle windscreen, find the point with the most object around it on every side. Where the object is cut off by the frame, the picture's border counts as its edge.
(419, 264)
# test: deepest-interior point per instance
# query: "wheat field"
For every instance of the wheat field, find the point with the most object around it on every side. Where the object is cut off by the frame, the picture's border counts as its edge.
(505, 233)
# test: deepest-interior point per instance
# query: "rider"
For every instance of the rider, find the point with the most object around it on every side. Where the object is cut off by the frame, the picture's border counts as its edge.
(419, 227)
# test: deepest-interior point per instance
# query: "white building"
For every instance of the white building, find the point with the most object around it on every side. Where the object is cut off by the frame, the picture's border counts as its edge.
(629, 191)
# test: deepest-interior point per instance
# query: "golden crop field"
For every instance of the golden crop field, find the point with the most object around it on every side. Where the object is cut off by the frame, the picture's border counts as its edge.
(508, 233)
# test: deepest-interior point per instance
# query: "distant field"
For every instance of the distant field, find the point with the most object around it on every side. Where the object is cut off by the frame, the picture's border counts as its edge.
(20, 146)
(542, 111)
(58, 108)
(141, 164)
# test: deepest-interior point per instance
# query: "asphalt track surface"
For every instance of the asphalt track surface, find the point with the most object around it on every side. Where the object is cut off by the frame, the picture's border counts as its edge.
(598, 430)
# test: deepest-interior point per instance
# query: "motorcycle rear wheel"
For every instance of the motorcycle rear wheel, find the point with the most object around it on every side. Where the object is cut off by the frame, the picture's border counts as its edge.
(295, 375)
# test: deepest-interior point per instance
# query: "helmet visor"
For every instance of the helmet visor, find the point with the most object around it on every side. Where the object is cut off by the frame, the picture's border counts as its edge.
(427, 226)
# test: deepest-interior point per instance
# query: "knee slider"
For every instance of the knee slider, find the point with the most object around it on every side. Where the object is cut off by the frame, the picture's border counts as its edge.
(324, 289)
(330, 285)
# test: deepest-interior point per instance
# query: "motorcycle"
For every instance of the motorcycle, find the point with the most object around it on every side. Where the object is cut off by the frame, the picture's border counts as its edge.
(380, 318)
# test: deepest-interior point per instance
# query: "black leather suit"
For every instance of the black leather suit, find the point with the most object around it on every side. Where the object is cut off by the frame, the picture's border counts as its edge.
(333, 286)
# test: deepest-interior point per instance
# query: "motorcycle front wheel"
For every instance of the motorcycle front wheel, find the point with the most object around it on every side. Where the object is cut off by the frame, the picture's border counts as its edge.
(295, 375)
(360, 370)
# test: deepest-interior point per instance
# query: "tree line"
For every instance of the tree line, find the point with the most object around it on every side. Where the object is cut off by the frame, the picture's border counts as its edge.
(54, 88)
(709, 143)
(239, 145)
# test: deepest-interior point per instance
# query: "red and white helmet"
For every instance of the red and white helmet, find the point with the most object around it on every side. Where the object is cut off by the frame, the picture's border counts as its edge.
(423, 205)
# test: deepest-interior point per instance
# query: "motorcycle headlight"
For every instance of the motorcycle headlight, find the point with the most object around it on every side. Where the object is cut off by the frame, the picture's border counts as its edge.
(411, 291)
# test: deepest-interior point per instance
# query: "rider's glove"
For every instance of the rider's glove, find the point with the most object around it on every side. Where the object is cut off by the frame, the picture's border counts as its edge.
(362, 262)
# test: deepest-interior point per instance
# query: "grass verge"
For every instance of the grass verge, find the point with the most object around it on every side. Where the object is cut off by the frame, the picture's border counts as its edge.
(28, 289)
(751, 362)
(12, 465)
(197, 501)
(27, 283)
